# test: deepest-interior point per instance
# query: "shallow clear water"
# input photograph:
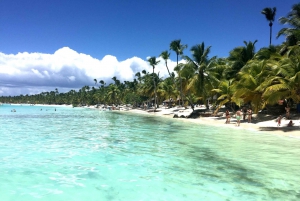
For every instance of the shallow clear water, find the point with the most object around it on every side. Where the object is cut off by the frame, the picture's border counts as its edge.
(80, 154)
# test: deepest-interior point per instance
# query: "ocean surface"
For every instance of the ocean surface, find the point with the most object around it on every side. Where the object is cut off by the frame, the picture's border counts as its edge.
(84, 154)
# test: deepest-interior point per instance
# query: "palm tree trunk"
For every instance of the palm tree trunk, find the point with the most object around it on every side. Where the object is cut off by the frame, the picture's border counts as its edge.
(270, 35)
(180, 85)
(168, 69)
(154, 91)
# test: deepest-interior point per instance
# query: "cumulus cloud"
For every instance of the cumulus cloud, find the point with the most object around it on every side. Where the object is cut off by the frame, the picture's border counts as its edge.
(66, 69)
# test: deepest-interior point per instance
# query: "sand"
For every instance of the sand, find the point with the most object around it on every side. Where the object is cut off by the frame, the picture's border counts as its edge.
(262, 123)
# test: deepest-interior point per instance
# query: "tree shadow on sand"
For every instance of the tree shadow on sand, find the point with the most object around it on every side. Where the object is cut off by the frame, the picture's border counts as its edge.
(284, 129)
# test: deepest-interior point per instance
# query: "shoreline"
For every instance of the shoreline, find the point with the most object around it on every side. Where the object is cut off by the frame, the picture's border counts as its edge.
(267, 125)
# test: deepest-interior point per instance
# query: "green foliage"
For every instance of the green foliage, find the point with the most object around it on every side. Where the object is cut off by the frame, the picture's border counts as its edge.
(245, 77)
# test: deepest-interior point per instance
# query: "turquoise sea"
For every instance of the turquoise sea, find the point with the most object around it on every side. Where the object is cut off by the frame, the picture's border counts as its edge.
(83, 154)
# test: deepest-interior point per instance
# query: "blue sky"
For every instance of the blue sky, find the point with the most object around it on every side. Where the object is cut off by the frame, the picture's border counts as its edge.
(125, 29)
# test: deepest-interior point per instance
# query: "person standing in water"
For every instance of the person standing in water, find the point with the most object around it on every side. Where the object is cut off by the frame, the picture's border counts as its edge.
(279, 120)
(244, 113)
(227, 117)
(249, 112)
(238, 118)
(287, 109)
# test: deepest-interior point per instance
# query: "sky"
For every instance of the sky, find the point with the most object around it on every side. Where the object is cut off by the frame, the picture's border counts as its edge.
(66, 44)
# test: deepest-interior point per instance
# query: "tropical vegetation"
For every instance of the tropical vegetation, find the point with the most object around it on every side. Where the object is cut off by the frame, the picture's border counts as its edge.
(257, 78)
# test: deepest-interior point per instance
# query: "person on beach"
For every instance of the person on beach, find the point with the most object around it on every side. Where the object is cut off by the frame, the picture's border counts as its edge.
(227, 114)
(249, 112)
(290, 124)
(244, 113)
(287, 109)
(238, 118)
(279, 120)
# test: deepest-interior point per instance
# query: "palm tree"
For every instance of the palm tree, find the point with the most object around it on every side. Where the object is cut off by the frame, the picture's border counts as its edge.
(113, 93)
(138, 75)
(146, 88)
(200, 56)
(166, 88)
(225, 93)
(95, 80)
(270, 15)
(293, 20)
(239, 56)
(203, 78)
(253, 80)
(166, 55)
(178, 48)
(152, 61)
(268, 53)
(286, 83)
(102, 83)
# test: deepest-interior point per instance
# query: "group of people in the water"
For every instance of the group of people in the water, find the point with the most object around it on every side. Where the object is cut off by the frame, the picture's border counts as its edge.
(14, 110)
(47, 109)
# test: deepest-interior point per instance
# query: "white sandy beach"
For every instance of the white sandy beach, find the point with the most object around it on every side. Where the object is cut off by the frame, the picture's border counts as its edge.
(269, 124)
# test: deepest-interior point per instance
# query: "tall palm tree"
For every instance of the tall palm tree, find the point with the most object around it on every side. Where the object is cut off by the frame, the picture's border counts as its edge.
(166, 55)
(293, 20)
(178, 48)
(203, 78)
(200, 56)
(270, 15)
(152, 61)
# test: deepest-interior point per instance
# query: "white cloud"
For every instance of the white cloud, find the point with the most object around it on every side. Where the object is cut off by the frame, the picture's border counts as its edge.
(66, 69)
(37, 73)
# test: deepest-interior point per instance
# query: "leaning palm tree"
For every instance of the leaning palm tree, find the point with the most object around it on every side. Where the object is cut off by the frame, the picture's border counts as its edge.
(166, 55)
(270, 15)
(293, 20)
(178, 48)
(152, 61)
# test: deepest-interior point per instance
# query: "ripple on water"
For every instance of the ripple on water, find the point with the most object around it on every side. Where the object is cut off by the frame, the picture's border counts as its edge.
(77, 154)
